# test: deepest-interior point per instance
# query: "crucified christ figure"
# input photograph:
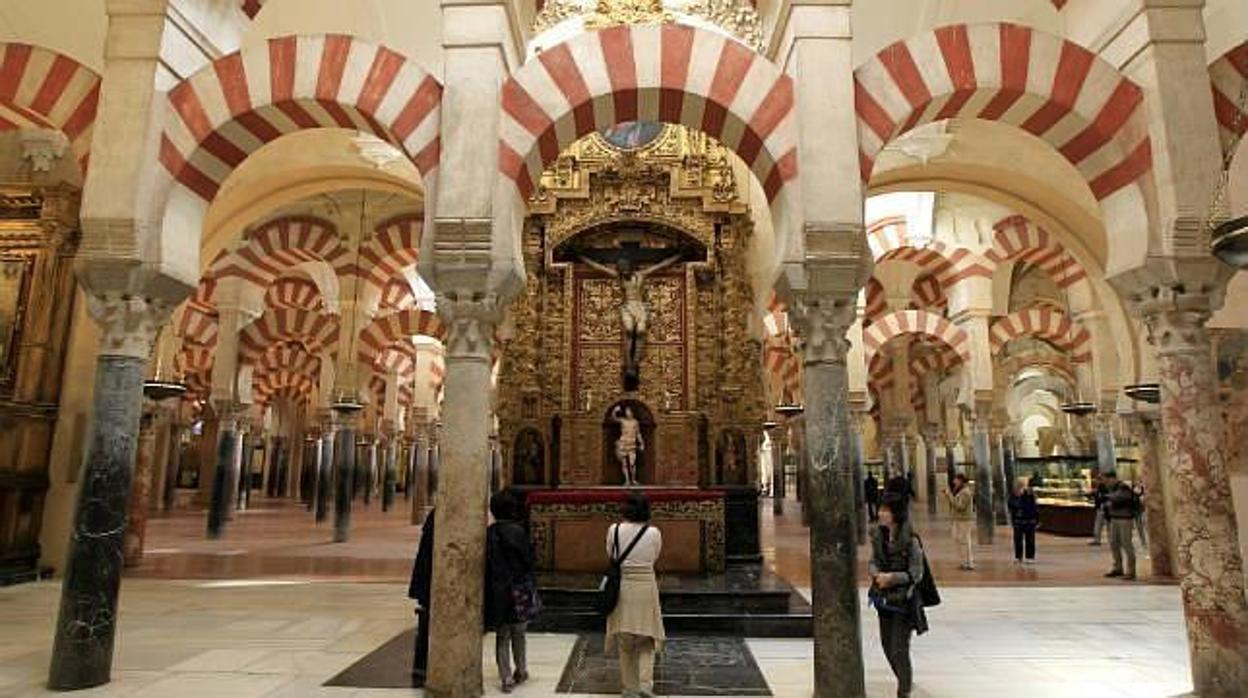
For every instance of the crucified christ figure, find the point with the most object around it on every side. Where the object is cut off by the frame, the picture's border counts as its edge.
(633, 312)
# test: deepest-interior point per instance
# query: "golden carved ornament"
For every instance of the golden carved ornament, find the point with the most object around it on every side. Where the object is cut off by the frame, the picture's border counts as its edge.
(736, 17)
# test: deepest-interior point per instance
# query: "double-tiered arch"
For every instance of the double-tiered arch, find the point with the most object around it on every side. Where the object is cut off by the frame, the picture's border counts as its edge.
(44, 89)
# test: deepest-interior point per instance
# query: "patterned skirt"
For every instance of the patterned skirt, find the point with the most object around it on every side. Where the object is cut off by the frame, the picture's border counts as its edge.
(638, 611)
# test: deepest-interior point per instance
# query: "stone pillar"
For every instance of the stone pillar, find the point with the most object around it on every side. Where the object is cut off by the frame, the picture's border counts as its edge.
(229, 451)
(82, 651)
(459, 557)
(823, 323)
(325, 469)
(1001, 486)
(390, 481)
(982, 445)
(245, 466)
(1198, 494)
(420, 476)
(1152, 466)
(174, 465)
(141, 487)
(931, 441)
(780, 445)
(344, 476)
(951, 464)
(1106, 454)
(857, 454)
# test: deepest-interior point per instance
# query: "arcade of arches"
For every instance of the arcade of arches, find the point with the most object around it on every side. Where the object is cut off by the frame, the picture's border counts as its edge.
(278, 277)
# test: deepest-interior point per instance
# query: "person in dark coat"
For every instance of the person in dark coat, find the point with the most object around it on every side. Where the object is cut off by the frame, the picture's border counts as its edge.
(871, 494)
(511, 599)
(419, 589)
(1025, 518)
(895, 570)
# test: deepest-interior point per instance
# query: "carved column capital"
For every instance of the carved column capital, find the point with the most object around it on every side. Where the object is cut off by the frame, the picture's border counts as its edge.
(1176, 324)
(470, 322)
(822, 323)
(129, 324)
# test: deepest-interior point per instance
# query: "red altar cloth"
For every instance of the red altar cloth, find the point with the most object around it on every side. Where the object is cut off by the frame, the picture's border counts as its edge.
(617, 494)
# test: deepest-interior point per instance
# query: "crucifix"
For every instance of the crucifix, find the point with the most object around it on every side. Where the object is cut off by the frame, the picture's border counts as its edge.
(634, 314)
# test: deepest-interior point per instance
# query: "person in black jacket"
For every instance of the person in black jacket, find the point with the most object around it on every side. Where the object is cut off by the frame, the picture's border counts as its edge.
(1025, 518)
(895, 570)
(1122, 505)
(419, 589)
(511, 587)
(871, 494)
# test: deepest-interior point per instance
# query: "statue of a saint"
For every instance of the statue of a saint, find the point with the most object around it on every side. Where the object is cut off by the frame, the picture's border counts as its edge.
(633, 312)
(629, 445)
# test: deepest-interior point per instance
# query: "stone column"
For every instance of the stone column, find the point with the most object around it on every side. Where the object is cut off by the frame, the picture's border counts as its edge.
(459, 557)
(325, 469)
(1001, 486)
(857, 454)
(780, 444)
(174, 465)
(420, 476)
(982, 445)
(390, 481)
(1198, 493)
(245, 466)
(951, 464)
(1106, 454)
(1152, 465)
(931, 440)
(229, 451)
(823, 323)
(141, 487)
(82, 651)
(344, 475)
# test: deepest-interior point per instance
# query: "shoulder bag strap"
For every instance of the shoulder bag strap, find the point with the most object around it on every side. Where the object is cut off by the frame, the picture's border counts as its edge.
(633, 544)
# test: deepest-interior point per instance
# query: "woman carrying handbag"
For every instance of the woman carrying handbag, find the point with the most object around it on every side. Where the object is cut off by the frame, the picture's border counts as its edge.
(896, 571)
(511, 599)
(635, 624)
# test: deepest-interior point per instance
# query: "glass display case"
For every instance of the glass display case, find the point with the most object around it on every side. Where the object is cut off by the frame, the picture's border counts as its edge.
(1063, 487)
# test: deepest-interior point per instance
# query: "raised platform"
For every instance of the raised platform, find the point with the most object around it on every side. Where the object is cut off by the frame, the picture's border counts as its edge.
(745, 600)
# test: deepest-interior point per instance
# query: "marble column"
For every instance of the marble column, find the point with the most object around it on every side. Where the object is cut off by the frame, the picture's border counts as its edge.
(420, 479)
(344, 476)
(781, 444)
(857, 454)
(245, 465)
(311, 470)
(229, 449)
(930, 440)
(141, 487)
(982, 445)
(368, 477)
(82, 650)
(1106, 454)
(457, 601)
(325, 471)
(833, 542)
(951, 465)
(1001, 487)
(1198, 495)
(174, 465)
(1152, 464)
(390, 481)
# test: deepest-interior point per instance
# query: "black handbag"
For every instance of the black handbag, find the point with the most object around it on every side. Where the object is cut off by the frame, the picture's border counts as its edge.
(609, 587)
(928, 593)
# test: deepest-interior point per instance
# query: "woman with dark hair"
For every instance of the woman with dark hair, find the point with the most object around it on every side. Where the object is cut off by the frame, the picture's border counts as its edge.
(895, 570)
(636, 624)
(511, 599)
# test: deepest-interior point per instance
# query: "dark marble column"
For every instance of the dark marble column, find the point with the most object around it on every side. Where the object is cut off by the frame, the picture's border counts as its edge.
(369, 480)
(344, 475)
(82, 650)
(1001, 487)
(833, 542)
(229, 445)
(245, 464)
(951, 465)
(930, 445)
(982, 444)
(174, 464)
(325, 466)
(1106, 451)
(858, 455)
(391, 474)
(778, 476)
(1152, 465)
(420, 481)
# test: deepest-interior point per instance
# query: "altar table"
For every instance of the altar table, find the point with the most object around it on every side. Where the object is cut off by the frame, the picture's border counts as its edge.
(569, 527)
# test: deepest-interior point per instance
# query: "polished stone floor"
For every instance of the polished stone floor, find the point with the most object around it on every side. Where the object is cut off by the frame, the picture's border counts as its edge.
(243, 639)
(275, 609)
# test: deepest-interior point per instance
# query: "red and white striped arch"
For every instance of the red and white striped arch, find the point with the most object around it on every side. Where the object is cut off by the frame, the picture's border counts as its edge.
(397, 295)
(294, 293)
(877, 301)
(889, 239)
(276, 247)
(251, 8)
(1229, 75)
(193, 359)
(377, 385)
(1045, 85)
(928, 295)
(267, 387)
(397, 328)
(669, 73)
(394, 248)
(289, 356)
(1048, 324)
(197, 326)
(318, 332)
(46, 90)
(234, 106)
(915, 322)
(1016, 237)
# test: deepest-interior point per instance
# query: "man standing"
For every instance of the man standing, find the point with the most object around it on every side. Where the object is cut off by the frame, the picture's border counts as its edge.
(962, 508)
(419, 590)
(1099, 490)
(871, 494)
(1122, 505)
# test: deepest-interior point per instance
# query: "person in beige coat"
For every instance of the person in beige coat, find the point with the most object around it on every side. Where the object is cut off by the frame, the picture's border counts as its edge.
(636, 624)
(962, 508)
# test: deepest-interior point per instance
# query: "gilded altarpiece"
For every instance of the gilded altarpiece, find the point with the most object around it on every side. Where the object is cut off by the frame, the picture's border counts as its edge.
(700, 393)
